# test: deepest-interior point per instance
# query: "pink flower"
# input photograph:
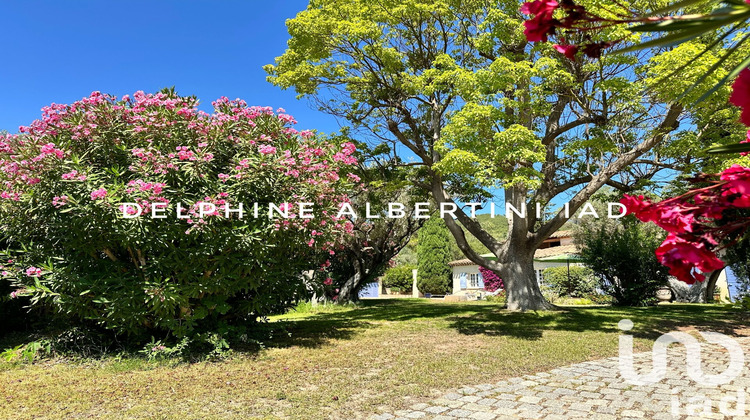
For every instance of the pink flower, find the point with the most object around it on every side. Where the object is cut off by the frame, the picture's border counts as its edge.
(97, 194)
(741, 95)
(568, 51)
(73, 175)
(328, 281)
(33, 271)
(635, 205)
(747, 140)
(60, 201)
(685, 259)
(542, 24)
(266, 150)
(737, 188)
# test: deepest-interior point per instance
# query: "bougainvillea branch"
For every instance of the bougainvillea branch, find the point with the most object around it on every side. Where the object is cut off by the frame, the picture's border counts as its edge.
(706, 219)
(700, 222)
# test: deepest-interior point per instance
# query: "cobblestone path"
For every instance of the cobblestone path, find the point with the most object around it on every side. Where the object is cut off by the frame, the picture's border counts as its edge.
(595, 390)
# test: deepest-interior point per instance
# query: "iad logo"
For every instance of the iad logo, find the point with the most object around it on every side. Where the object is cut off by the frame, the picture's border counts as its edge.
(693, 359)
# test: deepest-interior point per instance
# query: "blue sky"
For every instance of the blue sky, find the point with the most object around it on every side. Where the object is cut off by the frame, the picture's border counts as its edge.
(60, 51)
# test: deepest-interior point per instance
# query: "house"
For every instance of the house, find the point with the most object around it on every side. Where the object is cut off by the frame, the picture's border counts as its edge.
(556, 251)
(468, 279)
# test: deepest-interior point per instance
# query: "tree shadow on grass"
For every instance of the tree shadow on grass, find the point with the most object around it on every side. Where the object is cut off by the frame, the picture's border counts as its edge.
(311, 332)
(491, 320)
(475, 318)
(650, 322)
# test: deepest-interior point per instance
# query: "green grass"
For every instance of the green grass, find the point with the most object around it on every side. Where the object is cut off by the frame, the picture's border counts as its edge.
(345, 362)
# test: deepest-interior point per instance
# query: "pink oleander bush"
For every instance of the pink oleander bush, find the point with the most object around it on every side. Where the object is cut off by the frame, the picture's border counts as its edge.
(64, 179)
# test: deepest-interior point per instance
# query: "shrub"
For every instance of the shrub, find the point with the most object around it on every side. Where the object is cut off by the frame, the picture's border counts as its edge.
(580, 281)
(499, 297)
(492, 281)
(433, 254)
(399, 277)
(599, 298)
(66, 176)
(622, 254)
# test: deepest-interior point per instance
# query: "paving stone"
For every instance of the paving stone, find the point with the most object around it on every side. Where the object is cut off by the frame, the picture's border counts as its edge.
(482, 415)
(506, 404)
(436, 409)
(462, 414)
(592, 390)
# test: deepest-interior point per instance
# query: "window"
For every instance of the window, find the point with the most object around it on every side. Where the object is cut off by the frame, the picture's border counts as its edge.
(539, 277)
(474, 280)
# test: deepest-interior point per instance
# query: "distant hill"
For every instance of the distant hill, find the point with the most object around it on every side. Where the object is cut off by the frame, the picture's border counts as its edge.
(497, 227)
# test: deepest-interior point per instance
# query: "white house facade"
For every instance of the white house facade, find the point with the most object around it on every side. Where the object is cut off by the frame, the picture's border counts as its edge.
(468, 279)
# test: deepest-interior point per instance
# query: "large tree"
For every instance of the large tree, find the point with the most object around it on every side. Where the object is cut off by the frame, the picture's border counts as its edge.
(456, 83)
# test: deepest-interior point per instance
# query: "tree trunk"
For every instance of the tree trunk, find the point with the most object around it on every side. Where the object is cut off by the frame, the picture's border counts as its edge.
(348, 291)
(711, 285)
(521, 288)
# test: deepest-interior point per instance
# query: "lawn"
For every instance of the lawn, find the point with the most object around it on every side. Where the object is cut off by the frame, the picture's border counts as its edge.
(345, 362)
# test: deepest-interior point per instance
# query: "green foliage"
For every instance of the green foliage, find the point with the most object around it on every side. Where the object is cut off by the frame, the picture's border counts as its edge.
(744, 303)
(399, 277)
(578, 282)
(27, 353)
(725, 26)
(433, 251)
(498, 97)
(621, 253)
(499, 298)
(75, 253)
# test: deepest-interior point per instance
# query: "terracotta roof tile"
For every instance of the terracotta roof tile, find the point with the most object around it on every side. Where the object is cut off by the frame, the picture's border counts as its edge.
(540, 253)
(556, 250)
(561, 234)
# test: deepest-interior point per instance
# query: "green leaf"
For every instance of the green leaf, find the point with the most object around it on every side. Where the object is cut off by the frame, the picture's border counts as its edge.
(730, 148)
(670, 39)
(693, 59)
(692, 21)
(674, 6)
(732, 74)
(712, 69)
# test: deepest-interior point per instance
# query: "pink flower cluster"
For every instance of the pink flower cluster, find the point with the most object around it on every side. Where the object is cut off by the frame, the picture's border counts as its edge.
(33, 272)
(73, 175)
(573, 19)
(492, 282)
(99, 194)
(59, 201)
(163, 139)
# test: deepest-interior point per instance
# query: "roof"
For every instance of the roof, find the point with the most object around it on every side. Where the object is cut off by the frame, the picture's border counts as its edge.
(561, 234)
(556, 250)
(540, 253)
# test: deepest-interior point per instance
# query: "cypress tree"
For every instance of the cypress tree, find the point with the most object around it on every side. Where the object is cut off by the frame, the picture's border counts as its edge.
(433, 256)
